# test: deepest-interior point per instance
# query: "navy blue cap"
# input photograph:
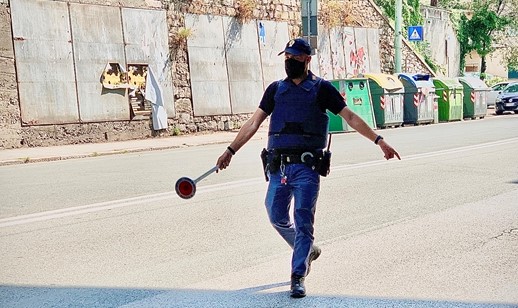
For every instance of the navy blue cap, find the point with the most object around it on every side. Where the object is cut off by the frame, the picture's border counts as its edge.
(297, 47)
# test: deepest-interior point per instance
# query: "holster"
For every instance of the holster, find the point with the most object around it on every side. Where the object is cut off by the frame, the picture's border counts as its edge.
(264, 160)
(271, 160)
(323, 165)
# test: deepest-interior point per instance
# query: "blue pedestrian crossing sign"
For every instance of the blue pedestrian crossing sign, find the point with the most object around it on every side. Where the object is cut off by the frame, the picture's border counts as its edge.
(415, 33)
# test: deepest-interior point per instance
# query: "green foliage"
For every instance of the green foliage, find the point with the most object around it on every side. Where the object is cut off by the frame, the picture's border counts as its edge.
(410, 12)
(388, 7)
(411, 15)
(509, 42)
(511, 58)
(176, 131)
(478, 30)
(489, 79)
(476, 33)
(494, 80)
(452, 4)
(493, 22)
(490, 25)
(423, 48)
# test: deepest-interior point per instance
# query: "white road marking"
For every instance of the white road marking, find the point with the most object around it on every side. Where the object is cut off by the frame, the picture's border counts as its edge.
(108, 205)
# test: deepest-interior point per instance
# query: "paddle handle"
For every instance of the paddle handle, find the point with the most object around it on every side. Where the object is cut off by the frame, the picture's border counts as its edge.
(201, 177)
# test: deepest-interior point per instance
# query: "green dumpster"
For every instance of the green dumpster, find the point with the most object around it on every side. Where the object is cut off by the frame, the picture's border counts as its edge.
(357, 96)
(475, 97)
(450, 93)
(387, 99)
(419, 98)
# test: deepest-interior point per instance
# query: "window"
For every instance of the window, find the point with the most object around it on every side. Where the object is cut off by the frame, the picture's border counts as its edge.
(499, 87)
(512, 88)
(309, 17)
(471, 68)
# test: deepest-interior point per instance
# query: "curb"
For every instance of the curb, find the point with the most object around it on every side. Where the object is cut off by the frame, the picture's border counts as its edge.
(26, 158)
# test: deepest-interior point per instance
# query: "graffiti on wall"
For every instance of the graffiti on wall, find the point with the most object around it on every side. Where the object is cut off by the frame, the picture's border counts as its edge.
(357, 61)
(344, 52)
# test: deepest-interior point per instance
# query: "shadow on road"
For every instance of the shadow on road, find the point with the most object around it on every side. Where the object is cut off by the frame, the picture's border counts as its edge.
(37, 296)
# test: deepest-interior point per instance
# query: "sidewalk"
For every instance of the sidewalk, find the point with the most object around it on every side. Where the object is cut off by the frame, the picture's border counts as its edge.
(39, 154)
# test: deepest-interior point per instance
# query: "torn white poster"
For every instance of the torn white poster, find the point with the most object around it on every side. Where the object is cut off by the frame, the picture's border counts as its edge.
(154, 95)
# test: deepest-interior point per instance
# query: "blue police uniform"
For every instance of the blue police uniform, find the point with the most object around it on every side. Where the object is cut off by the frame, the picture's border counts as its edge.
(298, 123)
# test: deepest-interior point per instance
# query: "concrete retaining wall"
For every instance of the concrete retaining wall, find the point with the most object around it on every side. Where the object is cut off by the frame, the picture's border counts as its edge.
(188, 113)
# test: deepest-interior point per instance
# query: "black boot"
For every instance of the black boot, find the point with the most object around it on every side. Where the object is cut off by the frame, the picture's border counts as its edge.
(297, 286)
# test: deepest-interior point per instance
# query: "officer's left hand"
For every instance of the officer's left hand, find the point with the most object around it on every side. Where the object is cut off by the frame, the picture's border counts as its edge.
(388, 150)
(224, 160)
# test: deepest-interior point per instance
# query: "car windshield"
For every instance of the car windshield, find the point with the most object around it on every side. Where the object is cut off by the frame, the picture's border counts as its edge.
(512, 88)
(500, 86)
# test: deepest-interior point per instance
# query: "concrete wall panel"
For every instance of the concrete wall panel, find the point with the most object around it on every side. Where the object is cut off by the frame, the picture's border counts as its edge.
(362, 50)
(97, 39)
(337, 52)
(313, 65)
(244, 65)
(373, 38)
(349, 51)
(275, 39)
(44, 62)
(146, 36)
(208, 66)
(444, 46)
(325, 62)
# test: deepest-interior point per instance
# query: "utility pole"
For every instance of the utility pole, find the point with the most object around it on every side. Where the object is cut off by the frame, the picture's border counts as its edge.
(398, 38)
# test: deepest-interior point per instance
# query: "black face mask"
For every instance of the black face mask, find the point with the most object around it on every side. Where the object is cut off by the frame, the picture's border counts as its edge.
(294, 69)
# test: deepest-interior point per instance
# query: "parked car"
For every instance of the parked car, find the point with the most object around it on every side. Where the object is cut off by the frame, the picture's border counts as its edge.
(508, 99)
(495, 90)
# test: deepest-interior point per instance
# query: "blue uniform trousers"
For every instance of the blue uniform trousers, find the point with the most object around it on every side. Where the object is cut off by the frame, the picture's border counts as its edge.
(303, 184)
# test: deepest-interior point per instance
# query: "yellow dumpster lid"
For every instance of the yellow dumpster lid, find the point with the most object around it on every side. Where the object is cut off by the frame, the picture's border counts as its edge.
(389, 82)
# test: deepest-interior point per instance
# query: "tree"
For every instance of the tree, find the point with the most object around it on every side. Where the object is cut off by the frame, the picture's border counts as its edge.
(411, 15)
(410, 12)
(451, 4)
(508, 39)
(490, 23)
(477, 31)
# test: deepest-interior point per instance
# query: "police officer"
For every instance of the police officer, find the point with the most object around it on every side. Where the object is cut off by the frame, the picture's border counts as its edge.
(297, 136)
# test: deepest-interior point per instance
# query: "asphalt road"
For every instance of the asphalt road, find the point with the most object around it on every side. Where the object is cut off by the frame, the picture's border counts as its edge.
(438, 228)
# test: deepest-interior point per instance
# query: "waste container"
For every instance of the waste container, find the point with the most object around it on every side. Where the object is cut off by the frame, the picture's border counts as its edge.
(450, 93)
(387, 99)
(419, 98)
(475, 97)
(357, 95)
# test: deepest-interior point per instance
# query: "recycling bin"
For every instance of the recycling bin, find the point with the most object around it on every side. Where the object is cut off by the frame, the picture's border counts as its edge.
(357, 95)
(435, 108)
(475, 97)
(387, 99)
(419, 98)
(450, 92)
